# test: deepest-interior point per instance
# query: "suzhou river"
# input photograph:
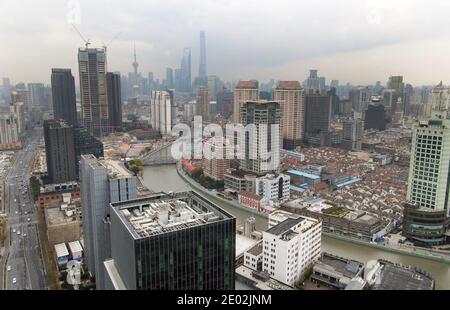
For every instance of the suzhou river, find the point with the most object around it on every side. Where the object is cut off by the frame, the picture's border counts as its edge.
(165, 178)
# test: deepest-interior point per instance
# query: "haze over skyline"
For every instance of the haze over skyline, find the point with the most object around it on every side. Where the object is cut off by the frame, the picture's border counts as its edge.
(351, 41)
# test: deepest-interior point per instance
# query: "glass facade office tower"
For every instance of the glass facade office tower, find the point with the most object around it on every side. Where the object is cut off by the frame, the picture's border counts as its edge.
(59, 151)
(171, 242)
(114, 101)
(63, 96)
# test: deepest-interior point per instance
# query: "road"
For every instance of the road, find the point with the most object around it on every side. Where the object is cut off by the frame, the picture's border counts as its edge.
(22, 258)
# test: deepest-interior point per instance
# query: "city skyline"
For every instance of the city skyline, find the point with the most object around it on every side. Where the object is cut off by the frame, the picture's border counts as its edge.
(325, 41)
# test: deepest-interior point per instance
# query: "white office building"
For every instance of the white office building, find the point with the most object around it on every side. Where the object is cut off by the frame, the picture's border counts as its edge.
(290, 246)
(273, 187)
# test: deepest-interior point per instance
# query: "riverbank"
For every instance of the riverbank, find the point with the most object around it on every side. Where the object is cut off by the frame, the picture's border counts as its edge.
(212, 195)
(418, 252)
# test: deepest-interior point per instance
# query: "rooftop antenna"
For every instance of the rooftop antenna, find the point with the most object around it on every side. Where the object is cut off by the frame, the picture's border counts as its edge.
(86, 42)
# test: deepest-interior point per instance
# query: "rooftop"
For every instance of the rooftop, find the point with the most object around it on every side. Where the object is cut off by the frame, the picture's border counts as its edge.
(163, 213)
(246, 85)
(286, 225)
(61, 250)
(289, 85)
(256, 250)
(394, 277)
(304, 174)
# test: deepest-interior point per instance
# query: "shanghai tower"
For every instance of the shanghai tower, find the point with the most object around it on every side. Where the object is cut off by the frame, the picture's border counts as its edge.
(202, 67)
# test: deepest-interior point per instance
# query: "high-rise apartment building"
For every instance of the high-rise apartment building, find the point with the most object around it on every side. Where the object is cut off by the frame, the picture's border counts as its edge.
(360, 98)
(63, 95)
(353, 131)
(102, 182)
(171, 242)
(60, 151)
(85, 143)
(36, 95)
(93, 90)
(292, 100)
(216, 165)
(427, 212)
(375, 117)
(163, 111)
(114, 90)
(243, 92)
(9, 129)
(262, 146)
(203, 100)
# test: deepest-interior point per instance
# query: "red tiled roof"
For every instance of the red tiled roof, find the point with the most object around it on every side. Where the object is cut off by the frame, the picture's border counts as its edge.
(289, 85)
(246, 85)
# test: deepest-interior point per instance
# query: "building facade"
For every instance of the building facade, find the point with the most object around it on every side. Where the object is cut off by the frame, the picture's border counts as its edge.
(114, 101)
(290, 247)
(93, 90)
(291, 97)
(60, 151)
(163, 111)
(171, 242)
(244, 91)
(102, 182)
(63, 96)
(262, 146)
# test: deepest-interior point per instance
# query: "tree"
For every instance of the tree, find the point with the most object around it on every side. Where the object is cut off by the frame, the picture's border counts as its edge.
(136, 166)
(35, 186)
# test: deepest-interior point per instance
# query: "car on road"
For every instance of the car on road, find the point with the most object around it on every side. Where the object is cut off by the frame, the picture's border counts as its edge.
(24, 235)
(18, 232)
(28, 219)
(8, 268)
(14, 231)
(17, 212)
(14, 281)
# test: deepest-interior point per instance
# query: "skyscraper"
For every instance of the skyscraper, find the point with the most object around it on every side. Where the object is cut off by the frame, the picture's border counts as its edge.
(264, 140)
(59, 151)
(114, 101)
(169, 78)
(203, 99)
(36, 93)
(292, 100)
(313, 83)
(353, 131)
(243, 92)
(427, 211)
(93, 90)
(318, 113)
(360, 98)
(171, 242)
(185, 71)
(202, 64)
(102, 182)
(163, 111)
(64, 98)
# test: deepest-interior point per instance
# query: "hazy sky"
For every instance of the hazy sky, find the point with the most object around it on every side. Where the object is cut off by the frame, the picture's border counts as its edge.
(349, 40)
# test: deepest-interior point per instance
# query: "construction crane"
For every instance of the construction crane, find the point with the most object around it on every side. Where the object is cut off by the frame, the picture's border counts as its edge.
(105, 46)
(86, 42)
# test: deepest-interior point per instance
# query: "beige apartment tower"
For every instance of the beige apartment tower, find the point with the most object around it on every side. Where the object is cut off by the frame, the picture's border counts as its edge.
(291, 97)
(243, 92)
